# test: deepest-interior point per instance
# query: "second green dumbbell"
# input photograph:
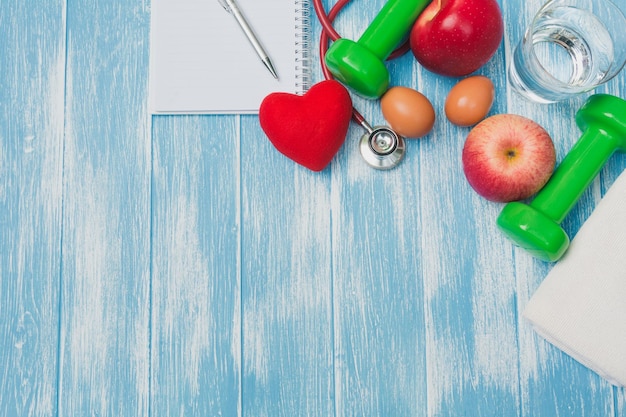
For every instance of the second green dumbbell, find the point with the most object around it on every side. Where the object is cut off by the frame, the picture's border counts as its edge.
(536, 226)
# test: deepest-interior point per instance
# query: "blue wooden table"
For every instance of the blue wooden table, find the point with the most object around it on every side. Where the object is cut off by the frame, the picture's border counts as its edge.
(180, 266)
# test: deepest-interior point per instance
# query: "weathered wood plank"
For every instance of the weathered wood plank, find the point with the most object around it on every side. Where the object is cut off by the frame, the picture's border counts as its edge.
(196, 310)
(286, 282)
(32, 86)
(380, 352)
(378, 314)
(104, 347)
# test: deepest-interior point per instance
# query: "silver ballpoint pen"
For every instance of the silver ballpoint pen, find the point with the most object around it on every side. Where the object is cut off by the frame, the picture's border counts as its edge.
(231, 7)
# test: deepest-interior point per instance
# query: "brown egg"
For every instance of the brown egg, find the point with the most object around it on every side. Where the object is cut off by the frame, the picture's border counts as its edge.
(408, 112)
(470, 100)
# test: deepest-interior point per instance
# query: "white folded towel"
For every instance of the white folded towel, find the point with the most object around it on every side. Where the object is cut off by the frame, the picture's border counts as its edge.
(581, 305)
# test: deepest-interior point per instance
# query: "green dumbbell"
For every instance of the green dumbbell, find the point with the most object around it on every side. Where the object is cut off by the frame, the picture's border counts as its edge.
(360, 65)
(536, 227)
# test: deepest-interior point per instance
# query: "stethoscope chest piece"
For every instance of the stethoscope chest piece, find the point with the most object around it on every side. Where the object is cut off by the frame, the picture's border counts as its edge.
(381, 147)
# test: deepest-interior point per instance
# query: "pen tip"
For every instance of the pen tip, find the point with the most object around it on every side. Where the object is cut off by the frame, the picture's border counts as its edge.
(270, 67)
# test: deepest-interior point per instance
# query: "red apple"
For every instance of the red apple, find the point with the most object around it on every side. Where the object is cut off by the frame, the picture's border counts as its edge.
(507, 157)
(456, 37)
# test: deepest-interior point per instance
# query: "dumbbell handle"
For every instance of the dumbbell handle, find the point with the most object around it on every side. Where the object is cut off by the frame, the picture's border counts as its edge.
(382, 35)
(577, 170)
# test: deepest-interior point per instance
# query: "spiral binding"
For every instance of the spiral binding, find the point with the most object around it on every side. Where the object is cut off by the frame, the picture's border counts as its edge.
(303, 53)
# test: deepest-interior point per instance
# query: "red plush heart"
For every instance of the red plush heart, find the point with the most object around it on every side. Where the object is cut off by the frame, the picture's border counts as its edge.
(308, 129)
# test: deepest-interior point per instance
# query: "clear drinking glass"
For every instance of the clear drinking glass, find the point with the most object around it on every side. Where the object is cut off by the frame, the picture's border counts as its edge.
(571, 46)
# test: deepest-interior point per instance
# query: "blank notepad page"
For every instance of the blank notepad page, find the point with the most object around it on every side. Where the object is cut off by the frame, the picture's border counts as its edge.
(201, 61)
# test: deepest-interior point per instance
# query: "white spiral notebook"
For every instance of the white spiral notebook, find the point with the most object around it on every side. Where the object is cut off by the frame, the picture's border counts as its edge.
(201, 61)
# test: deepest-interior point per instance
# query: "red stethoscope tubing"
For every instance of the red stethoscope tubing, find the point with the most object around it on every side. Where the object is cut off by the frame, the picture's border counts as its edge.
(330, 34)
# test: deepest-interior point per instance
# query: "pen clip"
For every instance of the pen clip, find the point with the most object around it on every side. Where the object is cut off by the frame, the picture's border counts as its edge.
(225, 5)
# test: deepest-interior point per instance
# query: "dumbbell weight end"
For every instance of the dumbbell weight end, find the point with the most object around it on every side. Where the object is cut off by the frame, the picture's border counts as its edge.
(357, 67)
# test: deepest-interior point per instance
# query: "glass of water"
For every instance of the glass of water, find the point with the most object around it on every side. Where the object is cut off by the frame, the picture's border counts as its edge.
(571, 46)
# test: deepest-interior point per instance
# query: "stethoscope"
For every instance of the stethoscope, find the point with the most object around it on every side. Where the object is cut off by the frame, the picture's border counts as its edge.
(381, 147)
